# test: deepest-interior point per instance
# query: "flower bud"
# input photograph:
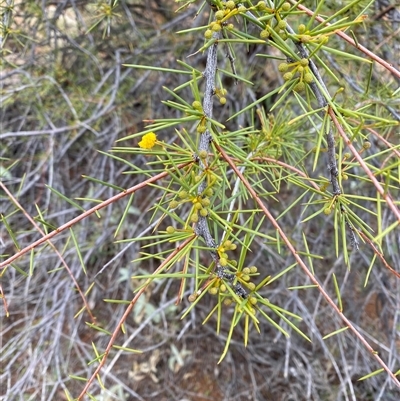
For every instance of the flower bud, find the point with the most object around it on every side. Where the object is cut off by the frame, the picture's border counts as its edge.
(219, 15)
(288, 76)
(302, 28)
(173, 204)
(261, 6)
(283, 67)
(197, 105)
(170, 230)
(203, 212)
(230, 5)
(208, 34)
(223, 262)
(308, 78)
(183, 194)
(282, 24)
(203, 154)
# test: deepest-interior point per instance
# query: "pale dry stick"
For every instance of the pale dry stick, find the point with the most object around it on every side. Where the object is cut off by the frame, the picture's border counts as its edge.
(348, 39)
(88, 213)
(33, 222)
(303, 265)
(126, 313)
(360, 160)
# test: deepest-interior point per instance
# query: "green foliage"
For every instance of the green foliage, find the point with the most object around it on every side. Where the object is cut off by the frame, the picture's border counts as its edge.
(315, 144)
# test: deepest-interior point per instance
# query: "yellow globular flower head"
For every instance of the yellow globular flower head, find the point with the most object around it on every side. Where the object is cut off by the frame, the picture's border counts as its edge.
(148, 140)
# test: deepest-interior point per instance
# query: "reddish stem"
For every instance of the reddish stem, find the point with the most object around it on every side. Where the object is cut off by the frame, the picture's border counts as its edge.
(348, 39)
(125, 315)
(369, 173)
(88, 213)
(313, 279)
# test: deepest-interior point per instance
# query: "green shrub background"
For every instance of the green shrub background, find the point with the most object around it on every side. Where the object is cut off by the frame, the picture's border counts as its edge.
(67, 97)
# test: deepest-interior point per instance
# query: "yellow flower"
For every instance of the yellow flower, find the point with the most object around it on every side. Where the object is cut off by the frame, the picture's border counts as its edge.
(148, 140)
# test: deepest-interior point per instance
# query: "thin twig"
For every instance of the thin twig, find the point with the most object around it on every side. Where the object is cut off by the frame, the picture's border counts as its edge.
(27, 215)
(86, 214)
(348, 39)
(126, 314)
(309, 274)
(369, 173)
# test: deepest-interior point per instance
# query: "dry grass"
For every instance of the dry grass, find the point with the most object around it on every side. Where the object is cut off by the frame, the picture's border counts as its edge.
(58, 109)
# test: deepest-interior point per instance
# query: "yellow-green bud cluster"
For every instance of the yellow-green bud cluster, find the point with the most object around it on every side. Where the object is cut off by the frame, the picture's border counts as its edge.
(201, 128)
(223, 256)
(298, 69)
(223, 262)
(173, 204)
(208, 34)
(299, 87)
(216, 28)
(308, 78)
(283, 67)
(209, 192)
(203, 154)
(170, 230)
(219, 15)
(305, 38)
(213, 290)
(253, 269)
(245, 276)
(288, 76)
(197, 105)
(282, 25)
(183, 194)
(200, 206)
(230, 5)
(221, 93)
(261, 6)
